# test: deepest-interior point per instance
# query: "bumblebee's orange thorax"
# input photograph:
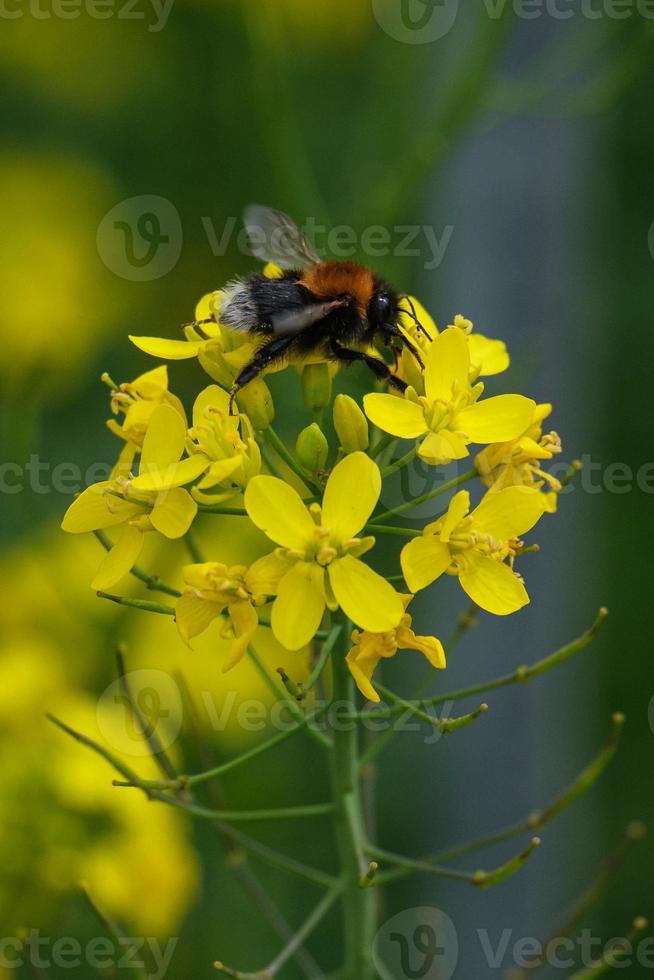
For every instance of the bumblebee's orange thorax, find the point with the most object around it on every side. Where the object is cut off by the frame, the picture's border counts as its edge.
(331, 279)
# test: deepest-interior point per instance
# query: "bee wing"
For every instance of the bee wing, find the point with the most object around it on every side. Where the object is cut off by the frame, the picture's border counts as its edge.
(293, 321)
(274, 237)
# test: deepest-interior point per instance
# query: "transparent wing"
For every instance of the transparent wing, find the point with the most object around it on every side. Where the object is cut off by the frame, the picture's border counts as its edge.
(274, 237)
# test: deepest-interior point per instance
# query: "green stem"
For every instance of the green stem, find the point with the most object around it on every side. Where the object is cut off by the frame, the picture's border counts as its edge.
(358, 902)
(143, 604)
(321, 663)
(436, 492)
(400, 463)
(381, 445)
(401, 532)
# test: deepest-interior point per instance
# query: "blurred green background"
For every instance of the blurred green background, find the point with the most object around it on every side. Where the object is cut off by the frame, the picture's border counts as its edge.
(525, 144)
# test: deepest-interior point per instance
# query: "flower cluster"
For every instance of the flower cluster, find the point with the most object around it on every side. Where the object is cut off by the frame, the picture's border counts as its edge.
(312, 510)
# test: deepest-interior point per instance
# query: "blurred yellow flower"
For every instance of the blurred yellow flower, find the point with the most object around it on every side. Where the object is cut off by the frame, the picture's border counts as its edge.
(153, 500)
(475, 547)
(369, 648)
(320, 546)
(518, 461)
(450, 414)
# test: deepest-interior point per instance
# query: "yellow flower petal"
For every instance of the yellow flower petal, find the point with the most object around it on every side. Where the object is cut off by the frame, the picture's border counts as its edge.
(265, 574)
(278, 511)
(510, 512)
(488, 356)
(362, 668)
(496, 419)
(447, 365)
(213, 399)
(457, 510)
(351, 495)
(399, 416)
(298, 609)
(120, 560)
(171, 475)
(364, 596)
(164, 441)
(424, 560)
(429, 646)
(95, 509)
(220, 471)
(173, 512)
(492, 585)
(244, 620)
(171, 350)
(194, 615)
(442, 447)
(151, 384)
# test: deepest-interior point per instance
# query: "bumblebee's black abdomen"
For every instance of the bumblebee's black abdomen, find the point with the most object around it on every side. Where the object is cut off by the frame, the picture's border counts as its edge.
(250, 305)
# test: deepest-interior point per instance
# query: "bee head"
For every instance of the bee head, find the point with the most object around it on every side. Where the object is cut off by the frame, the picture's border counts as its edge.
(382, 308)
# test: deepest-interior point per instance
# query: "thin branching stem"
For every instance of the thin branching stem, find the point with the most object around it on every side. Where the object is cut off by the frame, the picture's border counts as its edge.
(481, 879)
(430, 495)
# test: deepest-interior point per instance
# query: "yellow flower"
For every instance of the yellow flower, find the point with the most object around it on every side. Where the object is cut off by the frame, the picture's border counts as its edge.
(318, 563)
(369, 648)
(136, 401)
(487, 356)
(214, 591)
(226, 443)
(475, 547)
(449, 414)
(160, 503)
(518, 461)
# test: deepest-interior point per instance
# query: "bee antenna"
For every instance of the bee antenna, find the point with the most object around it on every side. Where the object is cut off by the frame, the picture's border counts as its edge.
(414, 316)
(407, 343)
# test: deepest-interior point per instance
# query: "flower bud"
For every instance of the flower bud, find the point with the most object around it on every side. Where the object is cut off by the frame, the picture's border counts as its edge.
(257, 403)
(312, 448)
(316, 386)
(351, 424)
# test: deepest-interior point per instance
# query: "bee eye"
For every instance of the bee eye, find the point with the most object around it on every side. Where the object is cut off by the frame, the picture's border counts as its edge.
(380, 307)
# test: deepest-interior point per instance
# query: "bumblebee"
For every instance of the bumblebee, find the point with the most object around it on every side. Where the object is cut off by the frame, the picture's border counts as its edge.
(332, 310)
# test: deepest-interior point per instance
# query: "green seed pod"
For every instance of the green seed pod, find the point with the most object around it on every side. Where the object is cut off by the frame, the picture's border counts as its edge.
(351, 424)
(257, 403)
(312, 448)
(316, 386)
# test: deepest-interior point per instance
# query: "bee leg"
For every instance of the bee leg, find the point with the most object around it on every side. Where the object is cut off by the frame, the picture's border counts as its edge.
(263, 358)
(378, 367)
